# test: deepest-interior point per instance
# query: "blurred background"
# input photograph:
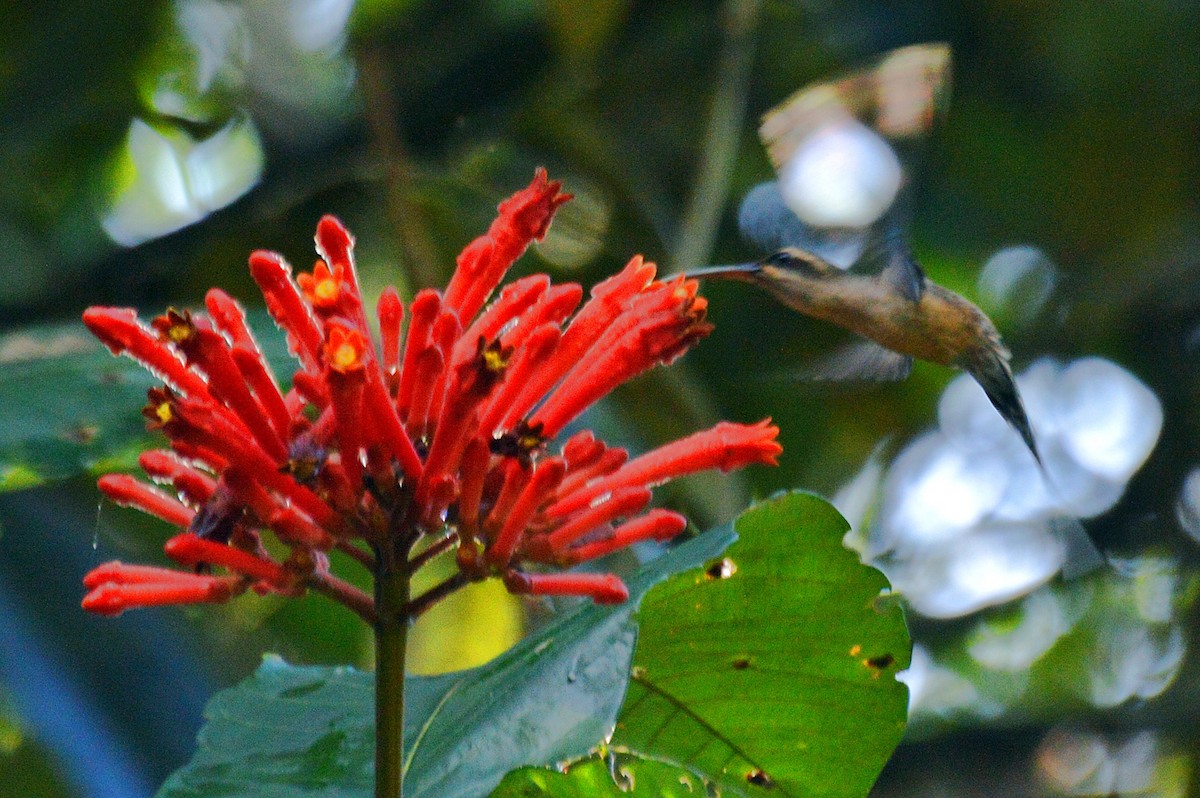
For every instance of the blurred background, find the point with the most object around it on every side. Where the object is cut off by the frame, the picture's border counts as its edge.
(147, 147)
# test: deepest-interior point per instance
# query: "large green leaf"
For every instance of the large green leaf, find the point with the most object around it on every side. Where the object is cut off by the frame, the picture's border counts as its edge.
(67, 406)
(774, 667)
(553, 697)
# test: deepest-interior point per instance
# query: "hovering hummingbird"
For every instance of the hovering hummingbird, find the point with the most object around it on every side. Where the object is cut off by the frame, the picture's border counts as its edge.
(902, 314)
(819, 148)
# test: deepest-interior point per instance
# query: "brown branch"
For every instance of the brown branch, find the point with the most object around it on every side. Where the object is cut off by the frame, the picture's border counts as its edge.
(722, 135)
(422, 603)
(381, 111)
(439, 547)
(362, 557)
(344, 593)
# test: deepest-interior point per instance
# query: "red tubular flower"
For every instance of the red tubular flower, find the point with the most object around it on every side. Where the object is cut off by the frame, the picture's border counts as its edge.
(625, 501)
(726, 446)
(654, 525)
(524, 218)
(445, 430)
(287, 306)
(125, 490)
(128, 587)
(513, 301)
(602, 588)
(188, 549)
(390, 311)
(549, 473)
(425, 308)
(120, 331)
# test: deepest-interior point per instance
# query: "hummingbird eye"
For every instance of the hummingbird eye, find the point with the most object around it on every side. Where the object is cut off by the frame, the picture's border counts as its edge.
(782, 259)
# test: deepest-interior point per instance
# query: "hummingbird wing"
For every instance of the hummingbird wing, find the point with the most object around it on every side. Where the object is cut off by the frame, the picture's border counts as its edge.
(768, 224)
(844, 152)
(901, 268)
(861, 360)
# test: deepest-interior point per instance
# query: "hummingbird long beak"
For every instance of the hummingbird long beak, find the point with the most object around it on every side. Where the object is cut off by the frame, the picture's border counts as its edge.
(737, 271)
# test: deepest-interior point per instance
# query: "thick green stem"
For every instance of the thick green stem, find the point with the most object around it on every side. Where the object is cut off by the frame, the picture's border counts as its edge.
(392, 588)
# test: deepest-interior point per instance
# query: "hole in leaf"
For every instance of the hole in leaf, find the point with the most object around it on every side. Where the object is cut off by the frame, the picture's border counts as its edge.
(885, 602)
(721, 569)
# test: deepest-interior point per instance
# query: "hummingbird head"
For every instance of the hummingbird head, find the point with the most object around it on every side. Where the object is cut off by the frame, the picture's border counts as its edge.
(789, 264)
(796, 263)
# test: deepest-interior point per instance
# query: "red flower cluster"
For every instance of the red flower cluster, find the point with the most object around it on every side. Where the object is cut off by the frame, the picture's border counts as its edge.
(437, 439)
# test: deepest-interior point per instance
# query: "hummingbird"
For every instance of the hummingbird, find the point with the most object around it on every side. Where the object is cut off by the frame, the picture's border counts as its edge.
(899, 313)
(840, 195)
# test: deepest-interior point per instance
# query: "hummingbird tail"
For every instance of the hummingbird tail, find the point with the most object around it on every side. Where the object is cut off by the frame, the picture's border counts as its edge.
(991, 370)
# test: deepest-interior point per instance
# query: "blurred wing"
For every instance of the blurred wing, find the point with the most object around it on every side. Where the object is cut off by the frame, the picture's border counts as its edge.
(861, 360)
(855, 361)
(899, 97)
(899, 267)
(844, 152)
(768, 224)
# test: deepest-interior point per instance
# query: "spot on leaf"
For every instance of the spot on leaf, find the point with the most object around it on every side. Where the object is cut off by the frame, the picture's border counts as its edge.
(741, 663)
(759, 778)
(880, 663)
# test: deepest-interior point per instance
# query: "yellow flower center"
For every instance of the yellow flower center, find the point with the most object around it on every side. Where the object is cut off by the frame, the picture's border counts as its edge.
(494, 360)
(164, 413)
(178, 333)
(345, 357)
(325, 291)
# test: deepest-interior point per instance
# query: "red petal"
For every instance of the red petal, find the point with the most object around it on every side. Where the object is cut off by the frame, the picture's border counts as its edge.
(546, 477)
(129, 492)
(602, 588)
(725, 446)
(188, 549)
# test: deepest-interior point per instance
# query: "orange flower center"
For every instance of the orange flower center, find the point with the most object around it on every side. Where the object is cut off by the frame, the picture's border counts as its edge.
(345, 357)
(325, 291)
(345, 349)
(323, 288)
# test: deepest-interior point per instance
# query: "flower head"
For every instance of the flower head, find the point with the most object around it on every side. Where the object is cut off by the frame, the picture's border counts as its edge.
(443, 438)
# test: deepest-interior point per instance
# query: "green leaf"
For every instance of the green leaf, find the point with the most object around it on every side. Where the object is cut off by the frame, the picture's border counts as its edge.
(773, 669)
(616, 775)
(549, 699)
(70, 407)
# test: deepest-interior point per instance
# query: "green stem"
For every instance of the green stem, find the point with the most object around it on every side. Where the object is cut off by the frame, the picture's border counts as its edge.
(382, 112)
(698, 231)
(392, 591)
